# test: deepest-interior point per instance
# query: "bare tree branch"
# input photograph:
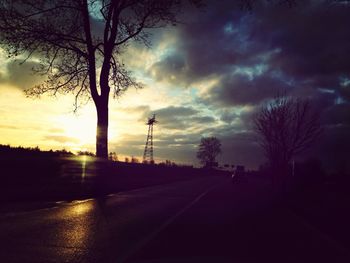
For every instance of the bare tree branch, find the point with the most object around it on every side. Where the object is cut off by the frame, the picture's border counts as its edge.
(286, 127)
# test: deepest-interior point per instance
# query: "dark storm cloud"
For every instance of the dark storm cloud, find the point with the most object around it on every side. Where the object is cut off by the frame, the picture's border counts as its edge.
(237, 147)
(241, 149)
(211, 42)
(173, 68)
(239, 89)
(179, 117)
(163, 140)
(179, 147)
(337, 140)
(183, 123)
(320, 98)
(313, 37)
(305, 43)
(304, 48)
(202, 120)
(301, 51)
(21, 75)
(173, 111)
(228, 116)
(344, 90)
(337, 115)
(333, 148)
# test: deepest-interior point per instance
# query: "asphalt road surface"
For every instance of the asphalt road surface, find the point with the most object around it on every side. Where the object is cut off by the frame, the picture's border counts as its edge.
(201, 220)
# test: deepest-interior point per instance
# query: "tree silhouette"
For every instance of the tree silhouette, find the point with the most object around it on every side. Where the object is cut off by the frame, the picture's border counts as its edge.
(134, 160)
(113, 156)
(286, 127)
(77, 45)
(208, 149)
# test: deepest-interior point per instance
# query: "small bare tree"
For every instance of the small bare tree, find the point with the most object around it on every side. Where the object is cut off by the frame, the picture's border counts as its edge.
(286, 127)
(208, 149)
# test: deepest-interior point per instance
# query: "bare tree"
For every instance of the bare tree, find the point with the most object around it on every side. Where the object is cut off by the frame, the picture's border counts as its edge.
(286, 127)
(208, 149)
(77, 45)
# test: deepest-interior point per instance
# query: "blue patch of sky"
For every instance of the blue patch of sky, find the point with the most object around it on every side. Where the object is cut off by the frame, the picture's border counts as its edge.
(339, 100)
(175, 92)
(235, 112)
(239, 32)
(229, 29)
(166, 52)
(251, 72)
(242, 35)
(277, 74)
(94, 9)
(266, 55)
(193, 92)
(204, 109)
(188, 96)
(280, 75)
(344, 81)
(142, 77)
(323, 90)
(342, 2)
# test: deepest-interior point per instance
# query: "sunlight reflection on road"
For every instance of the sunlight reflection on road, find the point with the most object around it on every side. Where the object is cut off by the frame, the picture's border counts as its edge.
(83, 167)
(80, 167)
(77, 230)
(82, 207)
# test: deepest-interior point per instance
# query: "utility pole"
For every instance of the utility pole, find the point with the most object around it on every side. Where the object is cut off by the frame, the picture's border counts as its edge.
(148, 153)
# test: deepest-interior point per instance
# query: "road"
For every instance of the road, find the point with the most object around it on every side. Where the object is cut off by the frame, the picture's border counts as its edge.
(202, 220)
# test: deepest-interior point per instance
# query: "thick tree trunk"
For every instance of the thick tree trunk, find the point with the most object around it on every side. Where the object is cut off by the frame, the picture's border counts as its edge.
(279, 179)
(102, 131)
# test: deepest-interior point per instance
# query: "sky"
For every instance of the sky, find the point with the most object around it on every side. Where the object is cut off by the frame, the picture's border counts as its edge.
(205, 77)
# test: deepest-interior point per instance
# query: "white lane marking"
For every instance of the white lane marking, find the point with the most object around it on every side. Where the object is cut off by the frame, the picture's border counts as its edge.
(151, 236)
(12, 214)
(158, 186)
(81, 201)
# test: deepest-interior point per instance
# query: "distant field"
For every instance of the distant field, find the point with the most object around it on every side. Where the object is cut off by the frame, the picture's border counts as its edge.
(75, 177)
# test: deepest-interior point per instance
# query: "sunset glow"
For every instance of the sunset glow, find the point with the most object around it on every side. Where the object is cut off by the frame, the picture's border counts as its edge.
(197, 83)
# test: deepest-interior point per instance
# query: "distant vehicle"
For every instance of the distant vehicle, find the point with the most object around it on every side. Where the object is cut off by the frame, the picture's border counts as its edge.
(238, 173)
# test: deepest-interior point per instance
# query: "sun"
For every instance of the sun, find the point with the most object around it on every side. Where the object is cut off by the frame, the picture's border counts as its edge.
(79, 127)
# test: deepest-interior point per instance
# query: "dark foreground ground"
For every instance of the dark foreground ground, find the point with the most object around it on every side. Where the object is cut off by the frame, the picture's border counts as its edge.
(242, 223)
(204, 218)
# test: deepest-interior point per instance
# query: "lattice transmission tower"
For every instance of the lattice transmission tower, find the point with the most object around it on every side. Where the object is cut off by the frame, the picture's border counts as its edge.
(148, 153)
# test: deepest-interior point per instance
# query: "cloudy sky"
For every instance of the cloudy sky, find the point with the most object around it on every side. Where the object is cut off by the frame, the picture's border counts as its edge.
(205, 77)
